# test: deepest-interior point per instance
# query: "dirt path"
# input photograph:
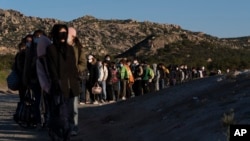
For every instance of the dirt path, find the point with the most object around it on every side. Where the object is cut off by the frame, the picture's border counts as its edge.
(9, 130)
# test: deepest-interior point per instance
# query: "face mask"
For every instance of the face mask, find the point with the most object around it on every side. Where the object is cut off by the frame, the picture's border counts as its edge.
(36, 40)
(90, 60)
(62, 35)
(108, 59)
(28, 44)
(121, 65)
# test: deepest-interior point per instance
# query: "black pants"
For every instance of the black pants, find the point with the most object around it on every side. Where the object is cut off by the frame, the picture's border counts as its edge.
(137, 87)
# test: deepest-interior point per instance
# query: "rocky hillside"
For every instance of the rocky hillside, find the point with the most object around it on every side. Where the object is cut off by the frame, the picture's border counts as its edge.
(115, 37)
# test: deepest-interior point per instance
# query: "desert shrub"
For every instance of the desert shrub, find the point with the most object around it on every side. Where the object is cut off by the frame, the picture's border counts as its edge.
(228, 118)
(6, 61)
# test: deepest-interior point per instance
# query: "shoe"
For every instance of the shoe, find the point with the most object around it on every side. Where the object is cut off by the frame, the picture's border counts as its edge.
(123, 98)
(73, 133)
(95, 102)
(88, 102)
(82, 103)
(111, 101)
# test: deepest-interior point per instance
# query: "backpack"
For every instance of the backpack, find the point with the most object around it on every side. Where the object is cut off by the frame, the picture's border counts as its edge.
(130, 75)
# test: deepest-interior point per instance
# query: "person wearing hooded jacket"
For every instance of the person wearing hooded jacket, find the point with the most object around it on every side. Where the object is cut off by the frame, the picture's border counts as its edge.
(30, 78)
(64, 82)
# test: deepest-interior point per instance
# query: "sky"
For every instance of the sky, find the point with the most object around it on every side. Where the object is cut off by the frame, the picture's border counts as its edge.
(220, 18)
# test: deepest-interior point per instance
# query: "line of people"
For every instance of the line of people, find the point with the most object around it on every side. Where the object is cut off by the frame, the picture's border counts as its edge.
(123, 78)
(58, 73)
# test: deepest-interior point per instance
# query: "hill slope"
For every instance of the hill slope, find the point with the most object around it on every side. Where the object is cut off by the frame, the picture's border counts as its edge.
(172, 114)
(130, 38)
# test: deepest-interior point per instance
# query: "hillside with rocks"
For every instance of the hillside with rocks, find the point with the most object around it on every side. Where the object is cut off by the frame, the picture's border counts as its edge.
(107, 36)
(130, 38)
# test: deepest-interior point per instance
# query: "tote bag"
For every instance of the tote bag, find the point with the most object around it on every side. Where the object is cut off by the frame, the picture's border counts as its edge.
(96, 89)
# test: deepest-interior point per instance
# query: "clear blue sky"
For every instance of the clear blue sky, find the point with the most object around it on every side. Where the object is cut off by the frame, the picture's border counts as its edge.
(221, 18)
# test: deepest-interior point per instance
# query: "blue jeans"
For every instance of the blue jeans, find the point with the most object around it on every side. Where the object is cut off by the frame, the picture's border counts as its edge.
(104, 91)
(74, 115)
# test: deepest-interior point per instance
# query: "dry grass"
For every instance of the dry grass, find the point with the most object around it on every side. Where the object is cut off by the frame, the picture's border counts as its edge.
(227, 120)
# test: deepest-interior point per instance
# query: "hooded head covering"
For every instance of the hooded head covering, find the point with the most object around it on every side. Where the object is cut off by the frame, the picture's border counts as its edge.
(42, 44)
(57, 36)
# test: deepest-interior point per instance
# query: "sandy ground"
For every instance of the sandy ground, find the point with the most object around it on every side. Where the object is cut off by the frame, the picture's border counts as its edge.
(192, 111)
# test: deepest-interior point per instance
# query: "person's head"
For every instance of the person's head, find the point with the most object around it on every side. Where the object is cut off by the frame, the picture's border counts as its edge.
(71, 35)
(37, 34)
(21, 46)
(59, 34)
(135, 62)
(105, 63)
(107, 57)
(123, 62)
(90, 58)
(128, 62)
(28, 40)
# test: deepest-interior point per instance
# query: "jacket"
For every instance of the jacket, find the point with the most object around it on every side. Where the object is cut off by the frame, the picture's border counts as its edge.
(63, 71)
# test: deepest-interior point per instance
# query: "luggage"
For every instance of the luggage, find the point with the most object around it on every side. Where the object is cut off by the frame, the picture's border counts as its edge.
(25, 111)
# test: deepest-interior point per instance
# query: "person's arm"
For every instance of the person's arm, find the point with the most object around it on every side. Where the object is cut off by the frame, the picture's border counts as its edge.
(81, 60)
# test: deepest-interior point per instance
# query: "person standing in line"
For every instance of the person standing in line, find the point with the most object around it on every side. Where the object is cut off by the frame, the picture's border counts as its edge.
(64, 82)
(113, 91)
(74, 42)
(157, 77)
(30, 78)
(103, 71)
(92, 77)
(137, 73)
(44, 78)
(123, 79)
(131, 80)
(20, 62)
(145, 78)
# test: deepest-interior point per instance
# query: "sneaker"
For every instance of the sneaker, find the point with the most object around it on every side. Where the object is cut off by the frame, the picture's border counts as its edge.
(95, 102)
(111, 101)
(73, 133)
(88, 102)
(102, 101)
(123, 98)
(82, 103)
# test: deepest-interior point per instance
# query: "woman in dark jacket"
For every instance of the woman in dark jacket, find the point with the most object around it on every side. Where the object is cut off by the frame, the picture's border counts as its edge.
(19, 65)
(93, 76)
(64, 79)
